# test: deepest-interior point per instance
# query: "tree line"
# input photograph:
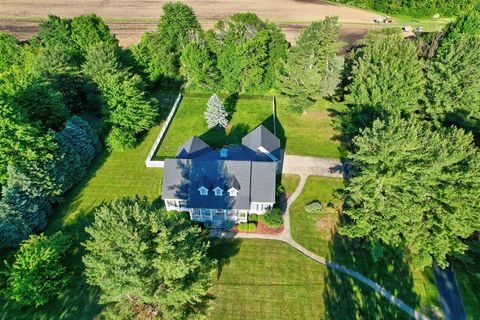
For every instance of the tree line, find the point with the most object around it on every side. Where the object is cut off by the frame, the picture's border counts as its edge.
(412, 125)
(415, 8)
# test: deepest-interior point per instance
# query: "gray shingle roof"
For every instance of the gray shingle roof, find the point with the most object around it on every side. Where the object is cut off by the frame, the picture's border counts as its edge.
(261, 137)
(255, 181)
(193, 147)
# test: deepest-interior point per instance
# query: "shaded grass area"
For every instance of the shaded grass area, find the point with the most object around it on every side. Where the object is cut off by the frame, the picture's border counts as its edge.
(290, 182)
(112, 175)
(265, 279)
(317, 232)
(309, 134)
(468, 279)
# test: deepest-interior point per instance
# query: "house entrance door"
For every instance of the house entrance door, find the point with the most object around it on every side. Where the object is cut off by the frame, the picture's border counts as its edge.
(219, 214)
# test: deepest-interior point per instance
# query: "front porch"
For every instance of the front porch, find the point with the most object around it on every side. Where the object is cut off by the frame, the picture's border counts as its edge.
(218, 216)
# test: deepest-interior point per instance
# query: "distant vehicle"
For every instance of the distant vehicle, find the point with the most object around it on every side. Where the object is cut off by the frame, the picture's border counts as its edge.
(383, 20)
(419, 30)
(407, 28)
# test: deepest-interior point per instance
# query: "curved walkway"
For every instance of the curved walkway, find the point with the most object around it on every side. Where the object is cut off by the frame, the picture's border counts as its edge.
(286, 236)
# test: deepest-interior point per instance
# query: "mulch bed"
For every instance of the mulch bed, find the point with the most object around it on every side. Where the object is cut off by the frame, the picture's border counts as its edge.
(263, 229)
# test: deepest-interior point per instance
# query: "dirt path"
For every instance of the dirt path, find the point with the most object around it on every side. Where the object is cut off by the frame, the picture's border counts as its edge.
(129, 19)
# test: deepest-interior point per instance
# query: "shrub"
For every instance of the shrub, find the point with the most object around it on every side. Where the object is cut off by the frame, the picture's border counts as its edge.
(252, 217)
(37, 275)
(247, 227)
(314, 207)
(272, 218)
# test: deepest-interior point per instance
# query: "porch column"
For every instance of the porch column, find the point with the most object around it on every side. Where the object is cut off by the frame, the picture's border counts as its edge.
(211, 216)
(225, 215)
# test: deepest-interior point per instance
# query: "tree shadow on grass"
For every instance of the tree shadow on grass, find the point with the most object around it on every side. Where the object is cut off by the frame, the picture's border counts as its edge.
(223, 250)
(347, 298)
(230, 104)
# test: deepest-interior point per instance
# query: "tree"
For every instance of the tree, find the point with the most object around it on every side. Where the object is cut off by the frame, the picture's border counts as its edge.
(199, 67)
(310, 64)
(88, 31)
(37, 274)
(410, 189)
(21, 143)
(140, 255)
(384, 77)
(153, 58)
(453, 89)
(467, 23)
(10, 51)
(215, 115)
(177, 26)
(125, 105)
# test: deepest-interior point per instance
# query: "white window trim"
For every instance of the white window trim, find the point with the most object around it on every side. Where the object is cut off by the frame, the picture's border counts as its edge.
(203, 191)
(218, 191)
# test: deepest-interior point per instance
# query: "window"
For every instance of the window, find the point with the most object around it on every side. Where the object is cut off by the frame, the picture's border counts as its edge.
(233, 192)
(218, 191)
(182, 203)
(203, 191)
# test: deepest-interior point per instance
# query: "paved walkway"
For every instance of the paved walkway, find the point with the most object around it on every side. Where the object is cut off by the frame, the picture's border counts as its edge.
(448, 293)
(285, 236)
(326, 167)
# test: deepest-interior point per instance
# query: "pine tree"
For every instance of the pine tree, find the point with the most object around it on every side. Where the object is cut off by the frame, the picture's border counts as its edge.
(308, 63)
(414, 188)
(215, 115)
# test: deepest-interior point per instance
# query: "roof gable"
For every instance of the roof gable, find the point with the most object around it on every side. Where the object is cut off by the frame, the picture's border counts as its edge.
(192, 148)
(261, 137)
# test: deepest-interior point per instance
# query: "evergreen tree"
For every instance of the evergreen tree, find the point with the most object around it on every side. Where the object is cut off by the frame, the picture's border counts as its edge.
(467, 23)
(215, 115)
(37, 274)
(453, 89)
(10, 51)
(410, 189)
(310, 64)
(138, 255)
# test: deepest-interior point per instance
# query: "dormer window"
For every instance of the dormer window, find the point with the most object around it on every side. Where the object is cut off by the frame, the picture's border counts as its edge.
(218, 191)
(233, 192)
(203, 191)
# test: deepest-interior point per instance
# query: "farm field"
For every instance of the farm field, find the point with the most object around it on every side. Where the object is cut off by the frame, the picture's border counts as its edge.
(129, 19)
(309, 134)
(317, 232)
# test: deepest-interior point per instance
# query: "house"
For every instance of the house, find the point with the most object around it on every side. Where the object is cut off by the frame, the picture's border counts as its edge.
(225, 184)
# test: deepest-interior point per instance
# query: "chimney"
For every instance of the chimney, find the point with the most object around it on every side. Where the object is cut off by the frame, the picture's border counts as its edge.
(223, 153)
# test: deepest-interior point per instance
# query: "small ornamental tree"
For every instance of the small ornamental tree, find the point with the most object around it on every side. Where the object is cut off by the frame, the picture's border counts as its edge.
(37, 275)
(215, 115)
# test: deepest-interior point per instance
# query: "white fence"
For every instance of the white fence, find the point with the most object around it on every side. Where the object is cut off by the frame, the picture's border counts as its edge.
(149, 163)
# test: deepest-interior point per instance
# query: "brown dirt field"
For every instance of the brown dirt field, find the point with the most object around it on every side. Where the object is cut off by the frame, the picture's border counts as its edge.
(129, 19)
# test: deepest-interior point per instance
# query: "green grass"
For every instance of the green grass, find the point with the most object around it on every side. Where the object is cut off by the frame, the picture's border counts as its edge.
(189, 121)
(290, 182)
(468, 278)
(317, 232)
(264, 279)
(309, 134)
(111, 176)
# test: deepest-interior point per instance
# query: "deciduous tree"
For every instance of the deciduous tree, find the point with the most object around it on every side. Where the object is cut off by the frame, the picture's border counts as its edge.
(414, 188)
(37, 275)
(140, 255)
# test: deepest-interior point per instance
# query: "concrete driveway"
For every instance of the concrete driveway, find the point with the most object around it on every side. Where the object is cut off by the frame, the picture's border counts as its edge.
(326, 167)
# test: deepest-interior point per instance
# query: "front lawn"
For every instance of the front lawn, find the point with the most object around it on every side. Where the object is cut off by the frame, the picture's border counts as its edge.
(290, 182)
(310, 134)
(317, 232)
